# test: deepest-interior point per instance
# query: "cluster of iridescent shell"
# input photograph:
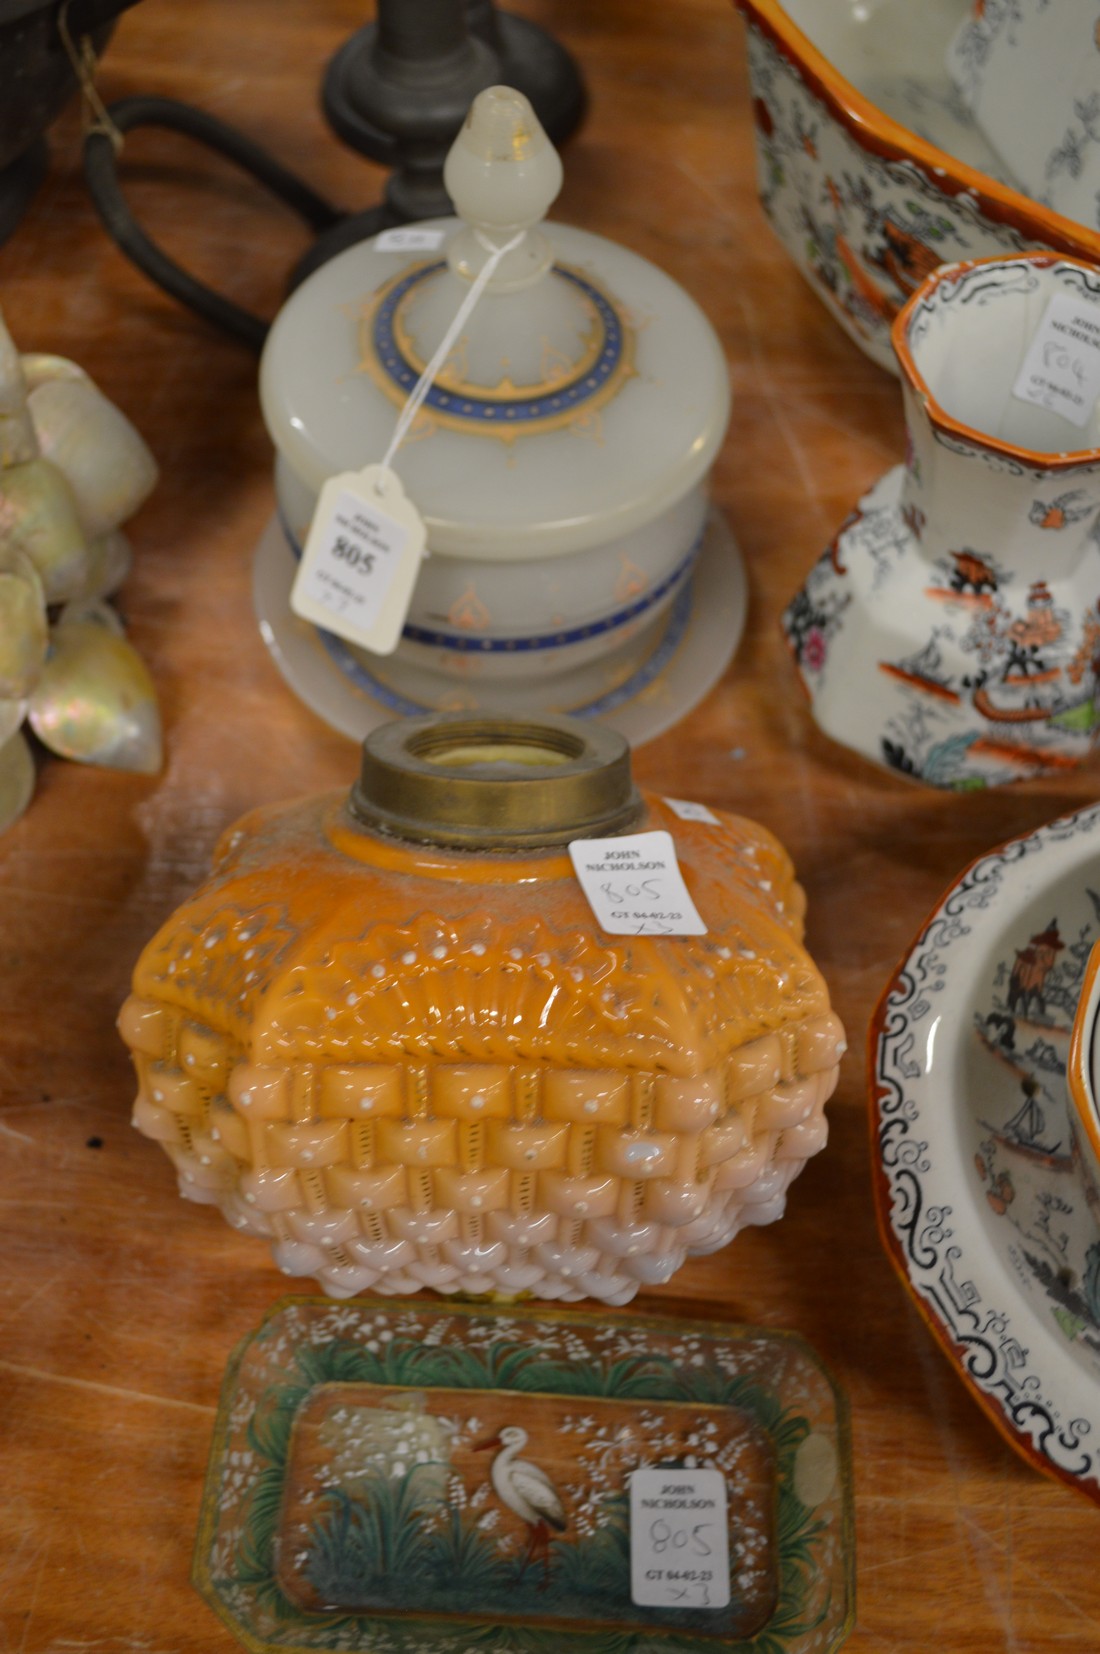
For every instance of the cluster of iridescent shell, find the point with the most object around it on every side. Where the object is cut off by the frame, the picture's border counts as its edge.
(72, 470)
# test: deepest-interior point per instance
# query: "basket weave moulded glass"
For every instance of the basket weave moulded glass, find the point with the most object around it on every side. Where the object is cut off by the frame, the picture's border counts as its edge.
(389, 1037)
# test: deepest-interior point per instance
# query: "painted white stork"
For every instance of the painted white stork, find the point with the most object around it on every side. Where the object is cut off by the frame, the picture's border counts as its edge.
(528, 1491)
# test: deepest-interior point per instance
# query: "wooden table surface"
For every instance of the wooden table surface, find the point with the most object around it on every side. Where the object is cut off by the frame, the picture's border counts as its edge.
(119, 1304)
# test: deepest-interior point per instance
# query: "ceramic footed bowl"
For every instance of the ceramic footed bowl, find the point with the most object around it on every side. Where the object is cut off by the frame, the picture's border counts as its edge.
(952, 630)
(869, 165)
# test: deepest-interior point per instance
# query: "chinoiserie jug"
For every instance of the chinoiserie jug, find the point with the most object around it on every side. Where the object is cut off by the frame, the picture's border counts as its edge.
(389, 1037)
(952, 630)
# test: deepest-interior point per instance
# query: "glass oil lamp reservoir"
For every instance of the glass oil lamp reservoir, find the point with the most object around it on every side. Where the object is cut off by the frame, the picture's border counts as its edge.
(389, 1037)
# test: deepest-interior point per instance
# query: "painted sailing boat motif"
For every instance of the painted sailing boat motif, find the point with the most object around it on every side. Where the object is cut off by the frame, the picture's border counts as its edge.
(1028, 1125)
(925, 670)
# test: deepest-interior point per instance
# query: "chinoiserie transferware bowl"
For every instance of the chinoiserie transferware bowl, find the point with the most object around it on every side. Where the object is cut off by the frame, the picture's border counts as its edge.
(952, 630)
(1082, 1076)
(560, 459)
(870, 166)
(389, 1037)
(981, 1201)
(1029, 74)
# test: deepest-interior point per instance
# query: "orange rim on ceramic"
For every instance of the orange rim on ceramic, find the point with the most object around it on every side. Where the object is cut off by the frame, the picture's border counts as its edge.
(1080, 1053)
(882, 135)
(938, 417)
(952, 1348)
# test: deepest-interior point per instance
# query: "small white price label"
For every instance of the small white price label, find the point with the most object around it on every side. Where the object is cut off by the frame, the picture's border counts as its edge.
(1061, 370)
(688, 811)
(361, 559)
(634, 885)
(409, 239)
(679, 1539)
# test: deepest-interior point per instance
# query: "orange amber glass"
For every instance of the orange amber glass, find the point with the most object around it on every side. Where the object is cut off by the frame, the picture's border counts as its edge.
(412, 1064)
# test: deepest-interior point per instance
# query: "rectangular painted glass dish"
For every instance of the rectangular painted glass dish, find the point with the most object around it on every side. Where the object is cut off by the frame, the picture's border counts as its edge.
(438, 1478)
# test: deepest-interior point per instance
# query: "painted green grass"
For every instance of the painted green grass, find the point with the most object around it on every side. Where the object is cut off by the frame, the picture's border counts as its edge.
(1081, 718)
(373, 1552)
(363, 1546)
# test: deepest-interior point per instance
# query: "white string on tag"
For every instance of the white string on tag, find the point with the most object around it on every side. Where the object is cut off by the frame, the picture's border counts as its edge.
(367, 538)
(427, 378)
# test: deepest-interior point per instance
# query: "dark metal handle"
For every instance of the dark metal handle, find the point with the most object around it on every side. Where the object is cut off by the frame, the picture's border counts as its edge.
(101, 173)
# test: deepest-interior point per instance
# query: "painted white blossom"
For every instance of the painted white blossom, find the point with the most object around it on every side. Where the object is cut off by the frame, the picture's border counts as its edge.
(342, 1320)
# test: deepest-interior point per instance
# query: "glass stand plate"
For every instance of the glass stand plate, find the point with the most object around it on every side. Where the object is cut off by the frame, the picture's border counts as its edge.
(980, 1199)
(435, 1479)
(704, 628)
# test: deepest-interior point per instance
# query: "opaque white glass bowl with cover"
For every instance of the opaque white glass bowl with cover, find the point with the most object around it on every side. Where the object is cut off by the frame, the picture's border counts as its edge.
(560, 460)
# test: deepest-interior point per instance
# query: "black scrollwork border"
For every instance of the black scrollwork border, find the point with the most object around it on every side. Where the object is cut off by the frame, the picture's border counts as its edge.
(980, 1336)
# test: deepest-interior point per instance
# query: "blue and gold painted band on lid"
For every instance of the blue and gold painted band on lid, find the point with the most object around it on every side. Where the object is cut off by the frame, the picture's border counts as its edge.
(505, 410)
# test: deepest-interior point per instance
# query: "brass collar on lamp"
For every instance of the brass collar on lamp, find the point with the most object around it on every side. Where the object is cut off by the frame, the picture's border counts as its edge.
(475, 782)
